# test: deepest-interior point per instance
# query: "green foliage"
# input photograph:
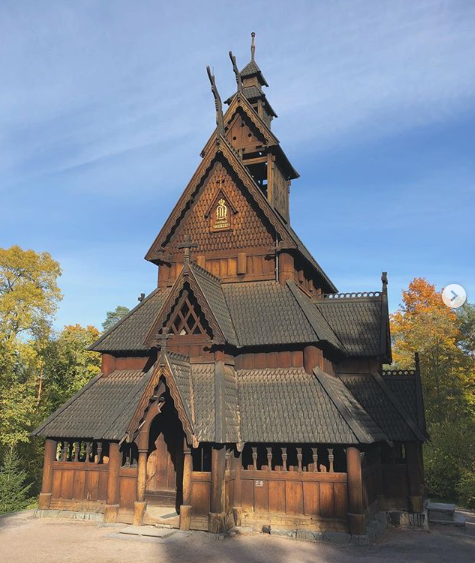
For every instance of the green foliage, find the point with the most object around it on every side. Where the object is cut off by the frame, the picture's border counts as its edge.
(13, 491)
(114, 316)
(39, 370)
(68, 364)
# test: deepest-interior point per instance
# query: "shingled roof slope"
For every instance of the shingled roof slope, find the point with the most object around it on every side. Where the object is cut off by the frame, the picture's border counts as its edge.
(212, 290)
(129, 333)
(318, 322)
(204, 401)
(290, 405)
(357, 322)
(100, 410)
(252, 69)
(266, 313)
(383, 406)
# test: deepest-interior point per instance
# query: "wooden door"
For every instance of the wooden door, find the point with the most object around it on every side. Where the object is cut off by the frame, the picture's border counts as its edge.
(165, 460)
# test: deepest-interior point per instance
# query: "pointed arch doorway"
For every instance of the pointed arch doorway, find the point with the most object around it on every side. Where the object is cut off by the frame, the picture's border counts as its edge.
(164, 479)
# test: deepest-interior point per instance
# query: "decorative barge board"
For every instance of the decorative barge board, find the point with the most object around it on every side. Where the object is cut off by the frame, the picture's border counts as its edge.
(244, 389)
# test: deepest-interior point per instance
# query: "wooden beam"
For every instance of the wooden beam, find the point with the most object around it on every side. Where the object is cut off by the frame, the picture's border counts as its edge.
(140, 504)
(356, 516)
(112, 507)
(185, 508)
(47, 484)
(216, 519)
(414, 475)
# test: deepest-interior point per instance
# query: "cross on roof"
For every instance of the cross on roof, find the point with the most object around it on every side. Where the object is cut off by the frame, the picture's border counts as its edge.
(163, 338)
(187, 245)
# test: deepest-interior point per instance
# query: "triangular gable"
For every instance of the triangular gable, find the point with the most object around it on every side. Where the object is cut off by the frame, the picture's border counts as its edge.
(185, 286)
(163, 378)
(239, 101)
(221, 151)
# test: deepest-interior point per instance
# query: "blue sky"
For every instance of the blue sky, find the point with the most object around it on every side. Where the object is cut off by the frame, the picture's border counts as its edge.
(105, 107)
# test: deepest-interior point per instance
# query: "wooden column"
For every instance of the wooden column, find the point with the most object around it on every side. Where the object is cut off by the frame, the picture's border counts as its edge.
(286, 267)
(216, 519)
(185, 508)
(237, 508)
(312, 357)
(140, 505)
(44, 500)
(112, 507)
(414, 475)
(356, 516)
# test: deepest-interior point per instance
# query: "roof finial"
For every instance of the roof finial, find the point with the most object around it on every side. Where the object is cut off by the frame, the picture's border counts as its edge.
(253, 45)
(162, 340)
(187, 246)
(217, 102)
(236, 71)
(384, 279)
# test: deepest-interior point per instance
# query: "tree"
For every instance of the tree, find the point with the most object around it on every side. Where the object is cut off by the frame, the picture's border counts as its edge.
(68, 364)
(29, 297)
(426, 325)
(13, 491)
(444, 340)
(114, 317)
(29, 294)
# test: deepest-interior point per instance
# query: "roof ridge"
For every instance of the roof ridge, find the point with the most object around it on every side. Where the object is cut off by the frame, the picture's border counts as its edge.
(344, 296)
(205, 272)
(355, 426)
(123, 319)
(397, 405)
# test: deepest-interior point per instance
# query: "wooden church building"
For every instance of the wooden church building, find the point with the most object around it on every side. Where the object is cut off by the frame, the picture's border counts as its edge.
(244, 390)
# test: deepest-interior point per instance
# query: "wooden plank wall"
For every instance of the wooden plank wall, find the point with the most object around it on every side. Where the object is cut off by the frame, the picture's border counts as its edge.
(372, 483)
(294, 493)
(74, 482)
(200, 492)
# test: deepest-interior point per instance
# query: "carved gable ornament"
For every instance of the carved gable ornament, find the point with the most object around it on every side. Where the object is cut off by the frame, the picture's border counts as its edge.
(222, 211)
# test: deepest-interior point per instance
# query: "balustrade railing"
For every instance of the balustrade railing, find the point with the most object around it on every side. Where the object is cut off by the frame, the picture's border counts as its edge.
(314, 459)
(80, 451)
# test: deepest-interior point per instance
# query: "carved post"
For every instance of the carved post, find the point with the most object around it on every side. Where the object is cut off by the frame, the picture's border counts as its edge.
(299, 460)
(88, 452)
(269, 459)
(140, 504)
(331, 459)
(284, 459)
(237, 508)
(315, 459)
(185, 508)
(216, 518)
(113, 484)
(414, 475)
(254, 458)
(47, 484)
(99, 452)
(76, 451)
(356, 516)
(65, 451)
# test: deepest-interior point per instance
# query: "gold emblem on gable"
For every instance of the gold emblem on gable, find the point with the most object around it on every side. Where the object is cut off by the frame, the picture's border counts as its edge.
(221, 218)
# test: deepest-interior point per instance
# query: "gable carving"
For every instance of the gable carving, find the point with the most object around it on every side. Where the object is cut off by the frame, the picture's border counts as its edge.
(187, 318)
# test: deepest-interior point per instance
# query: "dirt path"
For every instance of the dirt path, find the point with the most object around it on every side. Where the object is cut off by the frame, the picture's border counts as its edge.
(25, 539)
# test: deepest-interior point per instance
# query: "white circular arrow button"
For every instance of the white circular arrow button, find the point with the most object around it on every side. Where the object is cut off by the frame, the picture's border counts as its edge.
(454, 296)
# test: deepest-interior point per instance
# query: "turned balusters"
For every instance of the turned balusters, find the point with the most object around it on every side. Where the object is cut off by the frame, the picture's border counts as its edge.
(269, 459)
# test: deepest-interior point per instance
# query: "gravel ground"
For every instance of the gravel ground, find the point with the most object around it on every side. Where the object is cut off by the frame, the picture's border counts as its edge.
(25, 539)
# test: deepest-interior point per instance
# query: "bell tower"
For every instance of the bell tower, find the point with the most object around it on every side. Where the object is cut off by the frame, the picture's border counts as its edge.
(261, 154)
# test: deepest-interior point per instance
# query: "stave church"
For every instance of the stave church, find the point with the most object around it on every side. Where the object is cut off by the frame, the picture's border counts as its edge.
(245, 390)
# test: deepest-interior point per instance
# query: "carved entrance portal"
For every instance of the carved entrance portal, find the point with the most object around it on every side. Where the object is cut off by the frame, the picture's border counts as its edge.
(165, 459)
